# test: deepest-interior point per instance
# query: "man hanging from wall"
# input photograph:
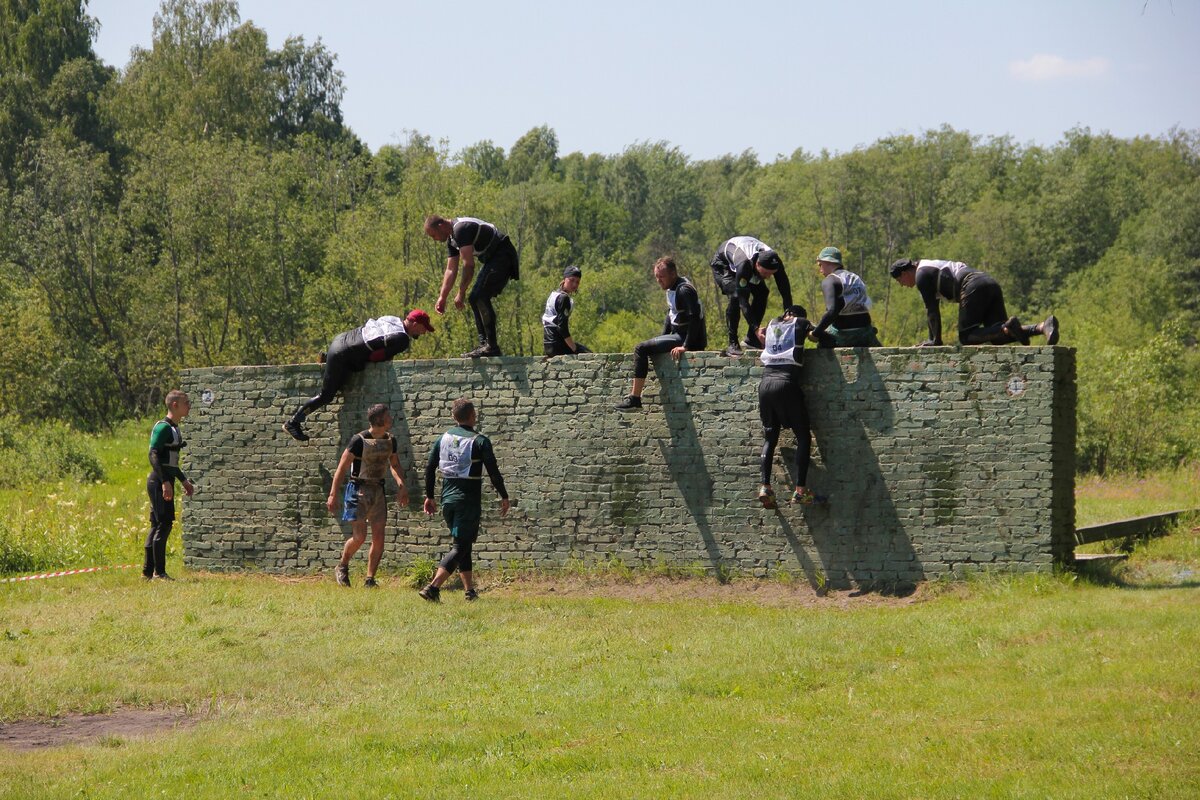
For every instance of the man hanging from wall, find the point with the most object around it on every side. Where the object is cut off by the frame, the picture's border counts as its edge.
(847, 307)
(741, 268)
(468, 238)
(683, 329)
(781, 400)
(982, 318)
(379, 340)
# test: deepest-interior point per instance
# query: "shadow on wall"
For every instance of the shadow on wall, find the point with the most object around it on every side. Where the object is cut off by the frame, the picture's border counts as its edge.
(859, 538)
(684, 456)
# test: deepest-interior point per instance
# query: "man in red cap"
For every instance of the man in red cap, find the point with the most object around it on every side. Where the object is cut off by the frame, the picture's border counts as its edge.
(380, 339)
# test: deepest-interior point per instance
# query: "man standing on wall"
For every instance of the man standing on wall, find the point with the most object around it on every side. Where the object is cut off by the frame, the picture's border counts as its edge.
(556, 317)
(461, 454)
(781, 400)
(683, 329)
(469, 238)
(982, 318)
(847, 306)
(741, 269)
(367, 459)
(379, 340)
(165, 443)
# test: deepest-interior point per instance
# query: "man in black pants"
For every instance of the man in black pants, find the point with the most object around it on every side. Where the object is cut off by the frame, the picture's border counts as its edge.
(379, 340)
(460, 454)
(556, 317)
(781, 400)
(847, 307)
(982, 318)
(682, 331)
(165, 444)
(741, 269)
(469, 238)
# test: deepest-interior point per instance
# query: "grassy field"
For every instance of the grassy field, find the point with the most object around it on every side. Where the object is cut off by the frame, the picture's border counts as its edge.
(1041, 686)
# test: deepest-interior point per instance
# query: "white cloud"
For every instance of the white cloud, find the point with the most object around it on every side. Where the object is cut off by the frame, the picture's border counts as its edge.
(1044, 67)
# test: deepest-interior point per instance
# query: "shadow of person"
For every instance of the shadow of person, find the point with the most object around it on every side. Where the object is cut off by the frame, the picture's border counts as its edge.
(859, 537)
(683, 453)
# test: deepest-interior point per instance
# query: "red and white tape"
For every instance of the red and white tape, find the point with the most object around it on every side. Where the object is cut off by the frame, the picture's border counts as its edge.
(61, 574)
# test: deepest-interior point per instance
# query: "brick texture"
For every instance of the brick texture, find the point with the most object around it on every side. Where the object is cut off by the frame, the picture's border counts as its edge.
(938, 462)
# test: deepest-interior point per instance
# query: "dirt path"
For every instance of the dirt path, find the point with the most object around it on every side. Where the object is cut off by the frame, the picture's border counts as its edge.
(82, 728)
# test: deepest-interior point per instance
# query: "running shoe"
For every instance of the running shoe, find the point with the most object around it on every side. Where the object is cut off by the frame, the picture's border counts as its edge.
(766, 496)
(630, 403)
(431, 593)
(734, 350)
(471, 594)
(292, 427)
(370, 583)
(1050, 329)
(341, 574)
(808, 498)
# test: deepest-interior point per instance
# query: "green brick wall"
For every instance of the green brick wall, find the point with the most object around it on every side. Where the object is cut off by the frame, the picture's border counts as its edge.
(938, 461)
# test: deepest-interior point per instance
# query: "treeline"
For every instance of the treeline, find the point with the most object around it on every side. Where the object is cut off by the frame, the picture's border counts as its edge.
(207, 205)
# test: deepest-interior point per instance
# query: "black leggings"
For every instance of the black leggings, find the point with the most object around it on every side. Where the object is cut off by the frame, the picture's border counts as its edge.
(781, 405)
(659, 344)
(981, 312)
(162, 516)
(347, 354)
(459, 556)
(492, 278)
(749, 303)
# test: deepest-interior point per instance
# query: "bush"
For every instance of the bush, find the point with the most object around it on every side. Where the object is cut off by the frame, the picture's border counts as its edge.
(47, 452)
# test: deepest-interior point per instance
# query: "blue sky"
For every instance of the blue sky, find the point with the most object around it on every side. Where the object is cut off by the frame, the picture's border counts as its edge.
(723, 77)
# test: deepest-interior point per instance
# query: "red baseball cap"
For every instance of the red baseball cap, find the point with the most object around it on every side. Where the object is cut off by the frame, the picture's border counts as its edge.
(417, 315)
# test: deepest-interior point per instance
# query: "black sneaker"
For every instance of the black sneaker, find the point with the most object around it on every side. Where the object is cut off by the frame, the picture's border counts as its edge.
(734, 350)
(630, 403)
(293, 428)
(476, 353)
(471, 595)
(342, 575)
(490, 351)
(752, 344)
(431, 593)
(370, 583)
(1050, 329)
(162, 576)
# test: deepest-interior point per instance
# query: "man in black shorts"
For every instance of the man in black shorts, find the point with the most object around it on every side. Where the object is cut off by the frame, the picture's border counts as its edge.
(379, 340)
(847, 316)
(741, 268)
(367, 459)
(460, 454)
(683, 329)
(781, 400)
(556, 317)
(982, 318)
(469, 238)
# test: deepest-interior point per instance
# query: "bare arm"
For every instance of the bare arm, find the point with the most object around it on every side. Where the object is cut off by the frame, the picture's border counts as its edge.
(398, 474)
(338, 476)
(447, 282)
(468, 271)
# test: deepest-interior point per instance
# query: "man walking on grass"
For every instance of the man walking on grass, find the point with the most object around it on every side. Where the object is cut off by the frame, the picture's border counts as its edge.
(367, 460)
(461, 454)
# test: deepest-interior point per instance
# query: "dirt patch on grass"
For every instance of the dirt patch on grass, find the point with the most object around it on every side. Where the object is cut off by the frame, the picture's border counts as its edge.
(125, 723)
(660, 589)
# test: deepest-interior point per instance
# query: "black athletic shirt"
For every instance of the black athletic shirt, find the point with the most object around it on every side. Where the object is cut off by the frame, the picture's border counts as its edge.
(356, 449)
(740, 254)
(936, 278)
(472, 232)
(685, 317)
(556, 318)
(835, 302)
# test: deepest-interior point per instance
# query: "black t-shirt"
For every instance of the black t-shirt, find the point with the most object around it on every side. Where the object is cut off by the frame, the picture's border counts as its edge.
(472, 232)
(356, 449)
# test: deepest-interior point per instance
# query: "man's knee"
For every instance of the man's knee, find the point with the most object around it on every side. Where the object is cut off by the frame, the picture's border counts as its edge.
(771, 433)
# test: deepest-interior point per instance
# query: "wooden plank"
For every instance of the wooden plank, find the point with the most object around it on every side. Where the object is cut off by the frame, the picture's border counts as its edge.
(1149, 525)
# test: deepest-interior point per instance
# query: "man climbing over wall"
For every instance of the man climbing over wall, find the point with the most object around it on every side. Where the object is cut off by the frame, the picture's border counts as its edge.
(683, 329)
(741, 268)
(468, 238)
(556, 317)
(847, 316)
(461, 454)
(378, 340)
(982, 318)
(781, 400)
(367, 459)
